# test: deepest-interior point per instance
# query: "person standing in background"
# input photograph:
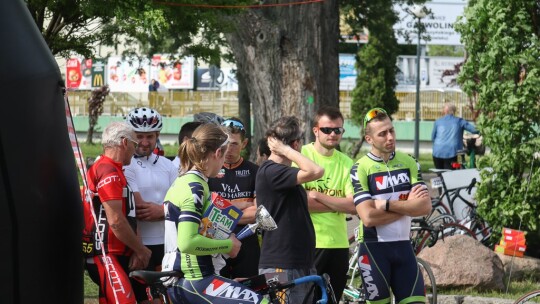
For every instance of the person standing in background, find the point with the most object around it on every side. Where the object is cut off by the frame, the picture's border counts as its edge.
(185, 133)
(236, 183)
(447, 137)
(149, 175)
(263, 152)
(330, 198)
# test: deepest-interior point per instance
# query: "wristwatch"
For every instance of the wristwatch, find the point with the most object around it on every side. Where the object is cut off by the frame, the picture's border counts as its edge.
(387, 205)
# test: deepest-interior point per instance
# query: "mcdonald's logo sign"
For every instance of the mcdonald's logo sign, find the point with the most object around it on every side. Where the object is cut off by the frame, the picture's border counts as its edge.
(97, 80)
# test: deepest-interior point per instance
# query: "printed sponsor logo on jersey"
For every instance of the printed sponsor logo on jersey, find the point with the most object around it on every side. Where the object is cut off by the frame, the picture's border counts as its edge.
(115, 279)
(225, 290)
(365, 267)
(197, 191)
(393, 179)
(99, 234)
(107, 180)
(243, 173)
(221, 173)
(354, 179)
(230, 189)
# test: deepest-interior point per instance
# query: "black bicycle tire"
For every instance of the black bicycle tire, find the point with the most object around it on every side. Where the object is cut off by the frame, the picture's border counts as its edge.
(420, 245)
(526, 297)
(425, 266)
(438, 208)
(464, 229)
(447, 218)
(422, 236)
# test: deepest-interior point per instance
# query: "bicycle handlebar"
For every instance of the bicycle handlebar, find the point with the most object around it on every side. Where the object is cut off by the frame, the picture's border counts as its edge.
(471, 185)
(312, 279)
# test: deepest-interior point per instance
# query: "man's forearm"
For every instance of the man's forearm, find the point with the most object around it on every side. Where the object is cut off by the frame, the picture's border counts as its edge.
(122, 230)
(372, 216)
(338, 204)
(411, 207)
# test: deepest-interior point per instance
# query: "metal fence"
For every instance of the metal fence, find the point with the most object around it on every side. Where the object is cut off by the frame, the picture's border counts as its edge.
(185, 103)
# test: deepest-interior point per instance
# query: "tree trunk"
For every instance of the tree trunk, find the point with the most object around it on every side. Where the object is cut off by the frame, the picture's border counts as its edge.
(289, 58)
(244, 111)
(90, 135)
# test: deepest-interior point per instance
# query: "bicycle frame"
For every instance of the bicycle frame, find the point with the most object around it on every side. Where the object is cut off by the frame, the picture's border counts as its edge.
(271, 286)
(323, 282)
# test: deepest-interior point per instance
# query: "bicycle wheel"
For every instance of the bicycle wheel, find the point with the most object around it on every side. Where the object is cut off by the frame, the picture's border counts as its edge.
(442, 219)
(353, 292)
(422, 240)
(329, 289)
(531, 297)
(430, 286)
(450, 229)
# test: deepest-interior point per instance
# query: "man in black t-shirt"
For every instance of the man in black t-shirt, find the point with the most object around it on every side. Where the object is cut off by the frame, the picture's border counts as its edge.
(236, 183)
(291, 247)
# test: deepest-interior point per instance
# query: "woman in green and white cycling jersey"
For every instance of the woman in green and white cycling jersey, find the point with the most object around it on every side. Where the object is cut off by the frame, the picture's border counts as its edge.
(187, 251)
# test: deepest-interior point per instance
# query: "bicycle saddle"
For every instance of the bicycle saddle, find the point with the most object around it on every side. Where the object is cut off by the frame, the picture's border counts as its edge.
(152, 277)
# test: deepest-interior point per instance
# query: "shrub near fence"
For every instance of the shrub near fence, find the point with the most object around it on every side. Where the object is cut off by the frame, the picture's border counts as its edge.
(186, 103)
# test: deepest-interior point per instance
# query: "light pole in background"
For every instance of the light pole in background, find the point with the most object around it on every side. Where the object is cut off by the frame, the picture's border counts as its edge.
(419, 12)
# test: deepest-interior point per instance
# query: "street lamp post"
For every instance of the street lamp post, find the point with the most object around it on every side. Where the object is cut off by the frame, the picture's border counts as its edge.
(419, 12)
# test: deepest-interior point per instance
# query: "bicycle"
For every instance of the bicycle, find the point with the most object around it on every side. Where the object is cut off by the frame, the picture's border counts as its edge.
(354, 291)
(272, 285)
(425, 233)
(529, 298)
(456, 199)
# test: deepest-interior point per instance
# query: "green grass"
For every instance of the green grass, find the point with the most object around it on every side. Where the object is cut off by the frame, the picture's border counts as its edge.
(515, 290)
(91, 290)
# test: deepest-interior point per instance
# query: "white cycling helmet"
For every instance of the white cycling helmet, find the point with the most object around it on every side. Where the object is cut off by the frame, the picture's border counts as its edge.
(144, 120)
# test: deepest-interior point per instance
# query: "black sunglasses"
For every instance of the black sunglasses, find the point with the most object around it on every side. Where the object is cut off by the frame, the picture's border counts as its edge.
(329, 130)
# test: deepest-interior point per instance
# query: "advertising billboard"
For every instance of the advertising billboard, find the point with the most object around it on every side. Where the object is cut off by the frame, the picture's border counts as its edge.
(128, 74)
(214, 78)
(172, 72)
(439, 24)
(347, 72)
(431, 70)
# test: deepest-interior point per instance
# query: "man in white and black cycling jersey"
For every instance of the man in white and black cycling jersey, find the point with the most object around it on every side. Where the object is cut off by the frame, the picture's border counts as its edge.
(149, 175)
(388, 191)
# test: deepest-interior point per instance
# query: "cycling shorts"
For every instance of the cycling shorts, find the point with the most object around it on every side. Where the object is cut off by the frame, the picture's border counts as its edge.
(213, 289)
(389, 266)
(114, 285)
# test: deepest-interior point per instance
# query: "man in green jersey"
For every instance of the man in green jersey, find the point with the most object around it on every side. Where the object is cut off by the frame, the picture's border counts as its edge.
(388, 192)
(330, 198)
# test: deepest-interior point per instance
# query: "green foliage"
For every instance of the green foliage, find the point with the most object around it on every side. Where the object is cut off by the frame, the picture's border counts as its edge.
(376, 60)
(79, 27)
(445, 50)
(502, 71)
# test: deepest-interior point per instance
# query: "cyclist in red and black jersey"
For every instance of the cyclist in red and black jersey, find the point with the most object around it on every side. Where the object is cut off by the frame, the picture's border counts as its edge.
(110, 241)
